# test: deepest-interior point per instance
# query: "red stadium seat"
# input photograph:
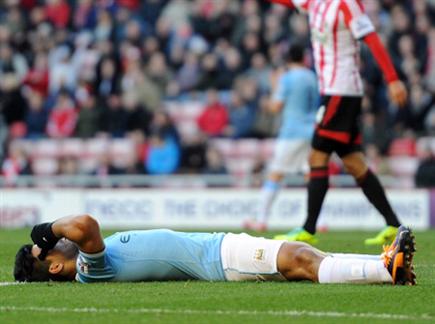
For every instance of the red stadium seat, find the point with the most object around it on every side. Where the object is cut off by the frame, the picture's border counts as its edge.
(403, 147)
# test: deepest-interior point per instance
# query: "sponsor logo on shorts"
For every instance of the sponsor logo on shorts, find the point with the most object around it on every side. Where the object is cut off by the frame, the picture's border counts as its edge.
(259, 255)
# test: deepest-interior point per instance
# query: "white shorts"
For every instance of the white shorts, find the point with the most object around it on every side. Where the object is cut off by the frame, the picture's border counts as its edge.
(248, 258)
(290, 156)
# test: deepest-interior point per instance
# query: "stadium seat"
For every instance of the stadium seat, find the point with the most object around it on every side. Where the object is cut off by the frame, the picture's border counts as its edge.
(248, 148)
(26, 146)
(223, 145)
(240, 167)
(88, 164)
(403, 147)
(96, 147)
(46, 148)
(72, 147)
(267, 149)
(403, 165)
(45, 166)
(122, 152)
(423, 146)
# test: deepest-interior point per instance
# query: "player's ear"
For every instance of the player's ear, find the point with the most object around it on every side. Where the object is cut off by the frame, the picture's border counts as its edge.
(55, 267)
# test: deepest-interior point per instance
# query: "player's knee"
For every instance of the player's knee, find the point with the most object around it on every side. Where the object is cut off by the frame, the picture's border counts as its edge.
(355, 167)
(304, 256)
(318, 159)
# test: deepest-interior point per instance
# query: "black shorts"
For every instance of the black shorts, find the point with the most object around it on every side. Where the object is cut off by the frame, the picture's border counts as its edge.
(338, 127)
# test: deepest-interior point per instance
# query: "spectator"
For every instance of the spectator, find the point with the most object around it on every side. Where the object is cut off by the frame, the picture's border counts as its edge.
(214, 118)
(58, 12)
(37, 78)
(63, 118)
(214, 163)
(107, 78)
(163, 155)
(36, 116)
(12, 63)
(156, 51)
(16, 164)
(163, 127)
(88, 118)
(68, 166)
(62, 73)
(105, 167)
(242, 117)
(138, 118)
(425, 175)
(113, 119)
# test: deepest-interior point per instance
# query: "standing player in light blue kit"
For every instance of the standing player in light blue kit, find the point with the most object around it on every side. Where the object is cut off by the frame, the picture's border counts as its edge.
(72, 248)
(296, 96)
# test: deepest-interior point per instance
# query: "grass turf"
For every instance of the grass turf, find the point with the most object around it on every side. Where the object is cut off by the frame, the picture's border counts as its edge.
(226, 302)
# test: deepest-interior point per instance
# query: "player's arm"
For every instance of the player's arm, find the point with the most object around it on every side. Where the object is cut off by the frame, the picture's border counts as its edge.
(82, 230)
(396, 88)
(276, 102)
(362, 29)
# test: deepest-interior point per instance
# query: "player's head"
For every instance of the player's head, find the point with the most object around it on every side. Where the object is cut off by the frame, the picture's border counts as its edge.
(295, 53)
(59, 264)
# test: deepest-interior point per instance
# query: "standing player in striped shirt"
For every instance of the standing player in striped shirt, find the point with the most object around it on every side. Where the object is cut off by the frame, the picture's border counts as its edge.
(337, 26)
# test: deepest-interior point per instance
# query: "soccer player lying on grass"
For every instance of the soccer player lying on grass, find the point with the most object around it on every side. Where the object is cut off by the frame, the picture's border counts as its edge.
(72, 248)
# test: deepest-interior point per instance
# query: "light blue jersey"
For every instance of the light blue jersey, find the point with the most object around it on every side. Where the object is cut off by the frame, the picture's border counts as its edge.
(297, 90)
(154, 255)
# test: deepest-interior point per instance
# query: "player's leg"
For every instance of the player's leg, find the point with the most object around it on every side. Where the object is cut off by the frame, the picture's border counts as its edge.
(330, 120)
(317, 188)
(269, 193)
(290, 157)
(300, 261)
(373, 190)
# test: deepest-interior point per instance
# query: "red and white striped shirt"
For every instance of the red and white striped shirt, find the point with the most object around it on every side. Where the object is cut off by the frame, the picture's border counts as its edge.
(336, 28)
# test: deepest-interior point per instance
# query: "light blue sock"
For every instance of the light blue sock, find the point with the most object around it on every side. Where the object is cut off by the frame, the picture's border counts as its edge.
(269, 192)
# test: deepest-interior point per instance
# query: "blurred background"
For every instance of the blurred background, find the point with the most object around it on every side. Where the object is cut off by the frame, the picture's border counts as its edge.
(123, 93)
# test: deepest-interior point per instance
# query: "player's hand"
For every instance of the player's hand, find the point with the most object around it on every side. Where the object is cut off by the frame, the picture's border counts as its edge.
(398, 93)
(42, 235)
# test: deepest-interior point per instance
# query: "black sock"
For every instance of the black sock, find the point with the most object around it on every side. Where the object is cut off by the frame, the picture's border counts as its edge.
(317, 188)
(375, 193)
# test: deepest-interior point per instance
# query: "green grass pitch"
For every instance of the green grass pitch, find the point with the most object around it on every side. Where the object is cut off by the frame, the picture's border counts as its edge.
(225, 302)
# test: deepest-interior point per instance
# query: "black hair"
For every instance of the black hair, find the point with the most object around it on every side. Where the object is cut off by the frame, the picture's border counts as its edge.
(295, 53)
(28, 268)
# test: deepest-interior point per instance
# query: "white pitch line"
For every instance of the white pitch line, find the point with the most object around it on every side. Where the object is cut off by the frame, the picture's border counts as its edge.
(287, 313)
(11, 283)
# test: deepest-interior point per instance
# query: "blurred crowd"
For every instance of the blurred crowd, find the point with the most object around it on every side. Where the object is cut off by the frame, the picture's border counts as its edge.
(106, 68)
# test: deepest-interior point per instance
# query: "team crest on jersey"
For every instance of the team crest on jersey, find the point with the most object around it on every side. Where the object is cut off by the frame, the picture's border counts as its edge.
(84, 268)
(259, 255)
(320, 36)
